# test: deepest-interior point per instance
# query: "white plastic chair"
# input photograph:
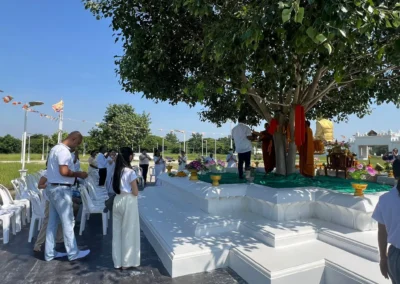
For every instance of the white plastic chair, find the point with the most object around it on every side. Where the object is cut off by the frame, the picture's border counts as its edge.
(21, 202)
(37, 213)
(19, 210)
(91, 208)
(152, 172)
(7, 218)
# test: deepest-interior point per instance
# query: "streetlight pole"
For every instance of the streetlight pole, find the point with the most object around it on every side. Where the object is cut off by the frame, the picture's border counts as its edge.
(202, 145)
(215, 146)
(206, 149)
(22, 146)
(231, 136)
(47, 148)
(43, 149)
(26, 107)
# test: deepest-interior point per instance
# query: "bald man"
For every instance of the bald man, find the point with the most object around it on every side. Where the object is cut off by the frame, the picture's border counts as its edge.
(60, 178)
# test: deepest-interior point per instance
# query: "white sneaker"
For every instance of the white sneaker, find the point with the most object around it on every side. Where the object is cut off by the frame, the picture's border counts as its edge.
(82, 254)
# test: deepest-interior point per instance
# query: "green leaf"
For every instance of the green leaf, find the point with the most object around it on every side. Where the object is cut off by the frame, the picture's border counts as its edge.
(359, 23)
(397, 4)
(286, 15)
(396, 23)
(370, 9)
(281, 5)
(338, 76)
(220, 91)
(299, 16)
(311, 32)
(243, 91)
(328, 47)
(380, 53)
(388, 24)
(321, 38)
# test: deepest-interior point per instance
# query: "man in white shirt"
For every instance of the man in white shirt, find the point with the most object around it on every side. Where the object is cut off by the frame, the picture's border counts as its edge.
(144, 161)
(242, 136)
(60, 178)
(387, 214)
(102, 165)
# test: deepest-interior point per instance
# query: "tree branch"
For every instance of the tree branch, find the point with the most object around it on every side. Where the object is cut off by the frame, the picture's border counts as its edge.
(312, 89)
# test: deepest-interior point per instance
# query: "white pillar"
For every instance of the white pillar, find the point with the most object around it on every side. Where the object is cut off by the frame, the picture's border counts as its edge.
(43, 149)
(23, 171)
(60, 126)
(29, 148)
(22, 145)
(184, 141)
(163, 145)
(215, 148)
(206, 149)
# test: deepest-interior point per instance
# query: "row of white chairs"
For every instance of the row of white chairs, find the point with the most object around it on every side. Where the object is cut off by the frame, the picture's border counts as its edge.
(29, 204)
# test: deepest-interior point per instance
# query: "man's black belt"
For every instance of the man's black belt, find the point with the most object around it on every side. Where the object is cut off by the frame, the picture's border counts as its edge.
(61, 184)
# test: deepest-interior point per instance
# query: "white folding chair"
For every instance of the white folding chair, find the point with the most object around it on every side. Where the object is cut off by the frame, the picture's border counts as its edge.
(21, 202)
(7, 218)
(139, 174)
(37, 212)
(152, 172)
(91, 208)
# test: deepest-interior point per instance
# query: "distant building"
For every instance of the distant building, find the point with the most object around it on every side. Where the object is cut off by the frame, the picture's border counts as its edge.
(361, 143)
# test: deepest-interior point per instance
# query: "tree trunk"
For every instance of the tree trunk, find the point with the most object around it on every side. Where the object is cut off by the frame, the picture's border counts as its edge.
(280, 153)
(285, 158)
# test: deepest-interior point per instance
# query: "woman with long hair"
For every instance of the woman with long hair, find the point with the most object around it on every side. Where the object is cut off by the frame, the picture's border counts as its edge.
(126, 228)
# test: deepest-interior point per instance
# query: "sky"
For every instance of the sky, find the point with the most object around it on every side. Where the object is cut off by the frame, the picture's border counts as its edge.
(52, 50)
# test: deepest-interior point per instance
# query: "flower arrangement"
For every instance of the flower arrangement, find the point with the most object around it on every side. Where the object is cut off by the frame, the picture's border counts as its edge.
(196, 165)
(336, 144)
(215, 167)
(361, 172)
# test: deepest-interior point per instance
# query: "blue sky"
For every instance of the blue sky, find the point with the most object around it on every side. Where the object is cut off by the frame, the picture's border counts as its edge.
(52, 50)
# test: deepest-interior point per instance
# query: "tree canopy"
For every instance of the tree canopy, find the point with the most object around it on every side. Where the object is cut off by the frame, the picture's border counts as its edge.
(262, 58)
(333, 57)
(121, 127)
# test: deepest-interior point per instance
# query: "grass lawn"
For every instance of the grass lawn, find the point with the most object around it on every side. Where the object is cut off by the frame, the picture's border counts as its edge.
(10, 171)
(17, 157)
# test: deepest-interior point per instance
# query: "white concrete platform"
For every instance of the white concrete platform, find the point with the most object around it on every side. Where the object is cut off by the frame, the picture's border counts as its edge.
(298, 246)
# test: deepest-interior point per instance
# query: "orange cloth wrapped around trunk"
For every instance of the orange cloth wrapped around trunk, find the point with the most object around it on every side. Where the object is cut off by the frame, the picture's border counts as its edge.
(299, 130)
(306, 153)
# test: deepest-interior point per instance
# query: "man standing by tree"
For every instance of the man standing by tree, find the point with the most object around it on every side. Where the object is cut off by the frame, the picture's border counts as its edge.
(242, 136)
(60, 178)
(306, 153)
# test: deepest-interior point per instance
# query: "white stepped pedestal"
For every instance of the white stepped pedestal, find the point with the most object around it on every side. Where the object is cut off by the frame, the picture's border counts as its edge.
(266, 235)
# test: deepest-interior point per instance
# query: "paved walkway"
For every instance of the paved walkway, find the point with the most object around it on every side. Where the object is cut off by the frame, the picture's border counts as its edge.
(19, 264)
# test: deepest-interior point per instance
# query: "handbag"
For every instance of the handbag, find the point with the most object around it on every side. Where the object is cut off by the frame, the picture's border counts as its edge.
(109, 203)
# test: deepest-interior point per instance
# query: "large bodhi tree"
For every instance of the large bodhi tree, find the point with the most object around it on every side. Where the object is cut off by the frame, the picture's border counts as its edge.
(264, 57)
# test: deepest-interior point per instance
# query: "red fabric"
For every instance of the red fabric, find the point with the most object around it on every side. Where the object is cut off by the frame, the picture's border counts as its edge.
(273, 126)
(300, 125)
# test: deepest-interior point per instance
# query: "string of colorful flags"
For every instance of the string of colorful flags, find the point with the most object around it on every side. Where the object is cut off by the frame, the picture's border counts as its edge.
(59, 107)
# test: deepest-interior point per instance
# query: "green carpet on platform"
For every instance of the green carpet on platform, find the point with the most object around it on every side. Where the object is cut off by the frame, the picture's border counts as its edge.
(333, 183)
(226, 178)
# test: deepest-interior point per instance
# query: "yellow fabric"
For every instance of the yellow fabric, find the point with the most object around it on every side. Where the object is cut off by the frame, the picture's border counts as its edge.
(126, 231)
(324, 130)
(306, 154)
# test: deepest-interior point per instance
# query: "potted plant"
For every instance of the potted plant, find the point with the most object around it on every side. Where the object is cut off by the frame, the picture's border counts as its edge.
(360, 173)
(216, 169)
(194, 167)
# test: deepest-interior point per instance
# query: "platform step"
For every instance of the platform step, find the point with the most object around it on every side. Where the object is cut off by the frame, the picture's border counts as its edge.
(312, 263)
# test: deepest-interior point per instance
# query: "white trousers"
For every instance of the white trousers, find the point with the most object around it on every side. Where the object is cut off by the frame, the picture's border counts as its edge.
(126, 231)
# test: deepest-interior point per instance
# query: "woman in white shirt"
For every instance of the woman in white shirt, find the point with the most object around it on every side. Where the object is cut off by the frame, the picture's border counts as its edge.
(126, 227)
(182, 160)
(159, 164)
